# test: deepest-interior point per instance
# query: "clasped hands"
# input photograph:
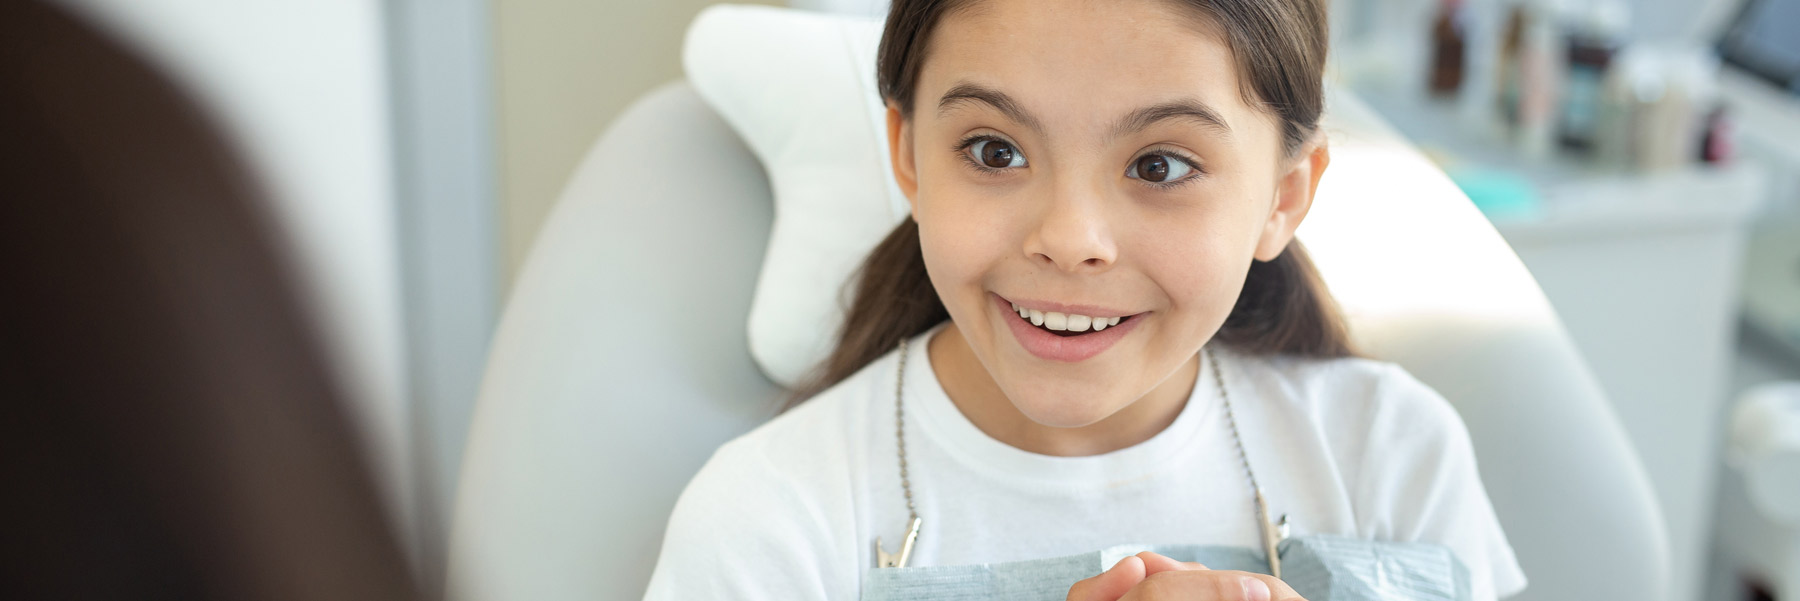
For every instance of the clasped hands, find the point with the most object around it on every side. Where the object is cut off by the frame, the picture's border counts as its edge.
(1151, 576)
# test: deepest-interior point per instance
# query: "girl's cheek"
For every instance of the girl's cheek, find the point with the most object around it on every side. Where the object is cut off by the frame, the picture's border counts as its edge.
(952, 257)
(973, 229)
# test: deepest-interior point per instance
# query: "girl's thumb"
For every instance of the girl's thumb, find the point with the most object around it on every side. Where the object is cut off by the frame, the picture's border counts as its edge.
(1156, 562)
(1111, 584)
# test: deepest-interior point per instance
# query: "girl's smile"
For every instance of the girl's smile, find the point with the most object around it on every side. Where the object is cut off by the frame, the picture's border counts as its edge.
(1078, 336)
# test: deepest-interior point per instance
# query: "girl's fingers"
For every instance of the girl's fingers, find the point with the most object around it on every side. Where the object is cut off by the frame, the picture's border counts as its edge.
(1278, 590)
(1111, 584)
(1155, 562)
(1212, 585)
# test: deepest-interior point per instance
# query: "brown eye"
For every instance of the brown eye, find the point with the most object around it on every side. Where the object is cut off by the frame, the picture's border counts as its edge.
(997, 154)
(1157, 168)
(1153, 168)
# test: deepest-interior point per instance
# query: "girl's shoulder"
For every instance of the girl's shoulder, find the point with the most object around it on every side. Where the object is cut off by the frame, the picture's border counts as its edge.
(781, 477)
(1354, 397)
(1400, 450)
(776, 491)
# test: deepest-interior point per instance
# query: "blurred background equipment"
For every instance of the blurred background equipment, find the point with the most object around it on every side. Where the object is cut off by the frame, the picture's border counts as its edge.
(174, 429)
(1761, 41)
(1640, 157)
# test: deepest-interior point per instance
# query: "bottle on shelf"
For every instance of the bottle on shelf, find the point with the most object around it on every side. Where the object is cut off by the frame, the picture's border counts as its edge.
(1594, 39)
(1449, 38)
(1660, 110)
(1506, 65)
(1539, 77)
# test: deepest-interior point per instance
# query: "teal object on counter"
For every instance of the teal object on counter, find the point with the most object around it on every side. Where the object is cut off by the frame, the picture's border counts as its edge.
(1501, 195)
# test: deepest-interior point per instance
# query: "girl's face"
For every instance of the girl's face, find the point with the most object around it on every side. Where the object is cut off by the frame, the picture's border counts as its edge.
(1096, 159)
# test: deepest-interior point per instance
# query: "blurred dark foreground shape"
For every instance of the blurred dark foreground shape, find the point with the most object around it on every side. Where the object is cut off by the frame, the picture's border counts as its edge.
(170, 428)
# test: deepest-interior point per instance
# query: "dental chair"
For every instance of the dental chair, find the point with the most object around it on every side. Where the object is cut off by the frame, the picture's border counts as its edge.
(622, 361)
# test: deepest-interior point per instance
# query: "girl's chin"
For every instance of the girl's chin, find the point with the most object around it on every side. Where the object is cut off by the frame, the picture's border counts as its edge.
(1063, 413)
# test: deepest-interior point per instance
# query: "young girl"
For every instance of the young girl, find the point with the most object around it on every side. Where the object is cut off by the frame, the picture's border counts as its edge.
(1097, 328)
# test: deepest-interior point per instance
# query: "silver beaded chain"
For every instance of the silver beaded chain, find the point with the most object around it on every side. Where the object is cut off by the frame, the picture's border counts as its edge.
(883, 559)
(900, 431)
(1231, 419)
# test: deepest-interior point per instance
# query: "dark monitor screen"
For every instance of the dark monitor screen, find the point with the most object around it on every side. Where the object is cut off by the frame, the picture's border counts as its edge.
(1765, 40)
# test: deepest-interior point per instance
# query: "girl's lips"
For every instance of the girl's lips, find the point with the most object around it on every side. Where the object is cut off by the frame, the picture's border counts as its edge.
(1070, 349)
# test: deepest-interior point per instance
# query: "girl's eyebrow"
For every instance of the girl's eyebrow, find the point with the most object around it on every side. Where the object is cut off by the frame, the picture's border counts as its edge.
(1186, 108)
(965, 92)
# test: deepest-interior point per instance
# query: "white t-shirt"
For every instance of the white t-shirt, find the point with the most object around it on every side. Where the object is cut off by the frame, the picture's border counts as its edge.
(790, 510)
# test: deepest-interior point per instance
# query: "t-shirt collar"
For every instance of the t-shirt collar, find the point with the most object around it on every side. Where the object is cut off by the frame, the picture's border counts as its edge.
(939, 419)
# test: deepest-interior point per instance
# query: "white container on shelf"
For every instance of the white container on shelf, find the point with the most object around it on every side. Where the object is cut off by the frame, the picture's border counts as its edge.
(1759, 505)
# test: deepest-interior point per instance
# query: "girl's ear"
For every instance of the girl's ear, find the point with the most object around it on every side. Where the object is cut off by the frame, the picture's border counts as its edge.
(1293, 198)
(900, 154)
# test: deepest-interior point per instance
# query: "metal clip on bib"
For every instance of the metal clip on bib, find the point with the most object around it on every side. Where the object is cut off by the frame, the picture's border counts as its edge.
(885, 560)
(1273, 532)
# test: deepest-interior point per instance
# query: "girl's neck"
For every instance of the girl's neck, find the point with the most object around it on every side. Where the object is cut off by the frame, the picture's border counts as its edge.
(979, 398)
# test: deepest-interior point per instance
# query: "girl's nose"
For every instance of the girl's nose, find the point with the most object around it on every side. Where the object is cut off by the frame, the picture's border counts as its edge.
(1073, 232)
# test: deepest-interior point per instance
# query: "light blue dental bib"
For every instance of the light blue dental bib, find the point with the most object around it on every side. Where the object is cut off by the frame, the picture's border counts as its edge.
(1319, 567)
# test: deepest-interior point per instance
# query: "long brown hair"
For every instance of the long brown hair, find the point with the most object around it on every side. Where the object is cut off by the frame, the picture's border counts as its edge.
(1279, 46)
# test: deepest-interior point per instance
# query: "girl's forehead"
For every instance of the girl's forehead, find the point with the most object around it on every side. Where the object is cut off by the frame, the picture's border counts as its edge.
(1081, 66)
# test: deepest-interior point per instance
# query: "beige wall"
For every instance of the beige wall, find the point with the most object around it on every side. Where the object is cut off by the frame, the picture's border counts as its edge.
(564, 69)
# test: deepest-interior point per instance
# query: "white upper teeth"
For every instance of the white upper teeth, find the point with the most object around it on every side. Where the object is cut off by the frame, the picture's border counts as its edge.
(1064, 322)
